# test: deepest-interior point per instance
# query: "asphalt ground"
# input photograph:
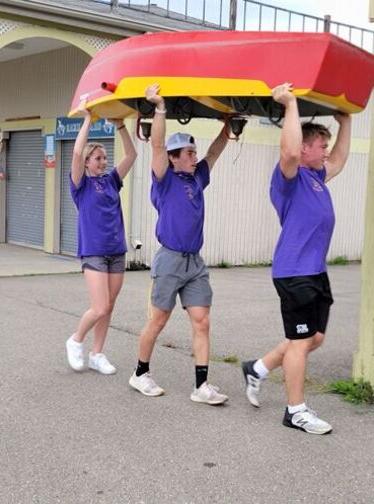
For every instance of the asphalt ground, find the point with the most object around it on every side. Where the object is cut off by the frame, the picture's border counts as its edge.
(82, 438)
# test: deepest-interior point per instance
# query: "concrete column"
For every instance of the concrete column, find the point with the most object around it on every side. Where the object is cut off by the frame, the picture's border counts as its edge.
(327, 23)
(233, 14)
(371, 10)
(363, 363)
(126, 193)
(2, 189)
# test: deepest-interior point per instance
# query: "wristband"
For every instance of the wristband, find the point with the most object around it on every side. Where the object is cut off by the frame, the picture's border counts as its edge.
(159, 111)
(120, 127)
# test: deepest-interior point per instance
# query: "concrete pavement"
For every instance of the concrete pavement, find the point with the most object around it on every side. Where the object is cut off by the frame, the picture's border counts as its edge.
(19, 261)
(75, 438)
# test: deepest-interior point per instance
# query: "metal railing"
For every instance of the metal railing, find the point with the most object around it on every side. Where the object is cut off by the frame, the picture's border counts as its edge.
(246, 15)
(212, 13)
(255, 15)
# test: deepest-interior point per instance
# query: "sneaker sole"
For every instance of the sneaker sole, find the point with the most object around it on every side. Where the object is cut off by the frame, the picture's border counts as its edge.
(211, 403)
(292, 426)
(146, 393)
(254, 404)
(102, 372)
(78, 369)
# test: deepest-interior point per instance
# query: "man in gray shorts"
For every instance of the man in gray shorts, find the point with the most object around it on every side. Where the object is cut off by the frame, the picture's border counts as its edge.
(178, 182)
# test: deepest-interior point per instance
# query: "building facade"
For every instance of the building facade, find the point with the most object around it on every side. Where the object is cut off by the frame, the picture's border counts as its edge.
(43, 51)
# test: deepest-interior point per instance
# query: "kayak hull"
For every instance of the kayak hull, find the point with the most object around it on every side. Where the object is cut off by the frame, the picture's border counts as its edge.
(211, 74)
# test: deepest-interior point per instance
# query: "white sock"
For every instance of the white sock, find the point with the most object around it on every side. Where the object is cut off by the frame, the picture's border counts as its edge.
(75, 341)
(296, 408)
(260, 369)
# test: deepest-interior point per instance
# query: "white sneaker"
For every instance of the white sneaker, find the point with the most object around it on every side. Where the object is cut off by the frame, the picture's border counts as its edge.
(74, 351)
(306, 420)
(99, 362)
(253, 383)
(208, 394)
(145, 384)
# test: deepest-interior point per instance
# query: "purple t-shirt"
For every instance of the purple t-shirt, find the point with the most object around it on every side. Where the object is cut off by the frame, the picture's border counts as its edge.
(179, 200)
(306, 214)
(100, 222)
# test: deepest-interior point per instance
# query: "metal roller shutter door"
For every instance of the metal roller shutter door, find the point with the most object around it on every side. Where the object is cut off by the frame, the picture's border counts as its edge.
(25, 189)
(68, 229)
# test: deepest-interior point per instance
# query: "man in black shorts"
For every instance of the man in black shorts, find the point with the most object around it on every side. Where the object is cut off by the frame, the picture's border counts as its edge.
(300, 196)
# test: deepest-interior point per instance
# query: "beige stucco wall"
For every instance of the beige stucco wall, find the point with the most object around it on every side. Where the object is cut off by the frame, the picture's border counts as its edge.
(35, 90)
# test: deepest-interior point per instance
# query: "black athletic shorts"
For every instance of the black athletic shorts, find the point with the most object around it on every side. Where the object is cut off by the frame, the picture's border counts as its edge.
(305, 304)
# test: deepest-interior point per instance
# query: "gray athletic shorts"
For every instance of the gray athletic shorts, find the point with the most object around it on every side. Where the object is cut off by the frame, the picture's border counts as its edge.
(179, 273)
(105, 264)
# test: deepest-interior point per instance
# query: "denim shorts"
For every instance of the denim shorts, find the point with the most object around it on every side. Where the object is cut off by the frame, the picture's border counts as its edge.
(104, 264)
(176, 273)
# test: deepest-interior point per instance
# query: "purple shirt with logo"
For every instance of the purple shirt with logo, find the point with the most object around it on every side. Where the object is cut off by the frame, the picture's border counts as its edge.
(100, 222)
(306, 214)
(179, 200)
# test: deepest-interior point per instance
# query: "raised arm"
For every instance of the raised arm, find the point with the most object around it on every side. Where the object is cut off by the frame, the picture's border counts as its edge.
(339, 153)
(77, 165)
(160, 159)
(124, 166)
(291, 136)
(216, 148)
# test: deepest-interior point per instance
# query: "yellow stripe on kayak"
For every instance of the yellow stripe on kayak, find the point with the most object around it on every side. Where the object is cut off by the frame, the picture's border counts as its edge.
(338, 102)
(108, 106)
(202, 90)
(134, 87)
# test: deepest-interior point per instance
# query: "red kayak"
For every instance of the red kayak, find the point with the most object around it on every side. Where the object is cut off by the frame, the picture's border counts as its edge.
(215, 73)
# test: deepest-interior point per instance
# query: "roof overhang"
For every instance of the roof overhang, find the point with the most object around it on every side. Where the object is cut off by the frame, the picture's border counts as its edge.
(118, 23)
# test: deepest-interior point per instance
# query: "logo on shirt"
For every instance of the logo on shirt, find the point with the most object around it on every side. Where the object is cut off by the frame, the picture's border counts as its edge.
(191, 188)
(189, 191)
(317, 186)
(98, 187)
(302, 328)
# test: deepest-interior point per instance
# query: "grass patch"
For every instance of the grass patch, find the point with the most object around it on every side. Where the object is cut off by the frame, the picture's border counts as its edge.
(356, 392)
(223, 264)
(339, 260)
(229, 359)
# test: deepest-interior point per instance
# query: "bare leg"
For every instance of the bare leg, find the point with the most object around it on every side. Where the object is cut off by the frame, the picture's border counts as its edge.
(151, 331)
(115, 281)
(98, 289)
(144, 383)
(203, 392)
(294, 366)
(274, 358)
(199, 317)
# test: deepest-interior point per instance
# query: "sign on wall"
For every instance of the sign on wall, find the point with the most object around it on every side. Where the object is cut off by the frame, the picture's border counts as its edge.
(67, 128)
(49, 151)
